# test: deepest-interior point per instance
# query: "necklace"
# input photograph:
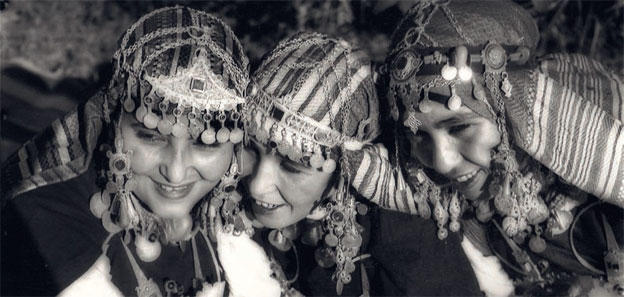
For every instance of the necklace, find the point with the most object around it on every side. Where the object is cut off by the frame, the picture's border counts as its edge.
(148, 288)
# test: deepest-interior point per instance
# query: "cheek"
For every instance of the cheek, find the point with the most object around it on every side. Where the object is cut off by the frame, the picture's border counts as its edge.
(303, 192)
(213, 164)
(144, 158)
(479, 146)
(420, 150)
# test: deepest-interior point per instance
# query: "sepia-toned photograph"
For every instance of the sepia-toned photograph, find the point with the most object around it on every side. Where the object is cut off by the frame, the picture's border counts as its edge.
(240, 148)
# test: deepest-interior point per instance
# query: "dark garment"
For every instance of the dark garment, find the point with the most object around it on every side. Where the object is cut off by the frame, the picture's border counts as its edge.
(411, 260)
(50, 239)
(558, 265)
(407, 259)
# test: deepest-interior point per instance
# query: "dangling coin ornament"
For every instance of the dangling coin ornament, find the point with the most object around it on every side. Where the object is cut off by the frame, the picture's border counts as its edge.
(454, 103)
(147, 250)
(150, 120)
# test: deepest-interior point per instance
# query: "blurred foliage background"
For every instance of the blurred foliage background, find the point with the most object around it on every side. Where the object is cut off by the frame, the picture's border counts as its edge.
(53, 53)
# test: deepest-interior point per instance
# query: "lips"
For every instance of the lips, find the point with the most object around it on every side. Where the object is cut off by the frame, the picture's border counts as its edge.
(174, 192)
(263, 208)
(471, 184)
(466, 177)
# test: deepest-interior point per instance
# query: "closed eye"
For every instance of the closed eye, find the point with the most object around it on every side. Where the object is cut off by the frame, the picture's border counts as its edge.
(150, 136)
(286, 166)
(420, 136)
(200, 144)
(457, 129)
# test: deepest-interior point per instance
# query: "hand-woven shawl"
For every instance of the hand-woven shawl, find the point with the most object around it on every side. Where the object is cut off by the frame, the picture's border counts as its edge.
(568, 116)
(163, 42)
(566, 113)
(60, 152)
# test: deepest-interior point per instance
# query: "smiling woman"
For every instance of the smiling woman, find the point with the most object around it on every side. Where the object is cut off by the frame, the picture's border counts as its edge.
(456, 144)
(156, 153)
(284, 191)
(523, 154)
(311, 99)
(172, 173)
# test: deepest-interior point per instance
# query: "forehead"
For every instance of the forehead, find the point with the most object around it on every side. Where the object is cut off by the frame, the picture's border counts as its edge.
(265, 151)
(440, 112)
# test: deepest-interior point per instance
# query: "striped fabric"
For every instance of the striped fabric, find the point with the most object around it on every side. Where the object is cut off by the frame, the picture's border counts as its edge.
(375, 178)
(60, 152)
(579, 137)
(323, 79)
(571, 121)
(162, 43)
(166, 39)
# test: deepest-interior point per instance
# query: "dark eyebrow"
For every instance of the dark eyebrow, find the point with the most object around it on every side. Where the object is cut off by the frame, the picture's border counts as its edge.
(457, 119)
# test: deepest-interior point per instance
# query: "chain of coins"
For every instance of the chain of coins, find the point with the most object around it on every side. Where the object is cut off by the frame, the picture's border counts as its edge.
(342, 240)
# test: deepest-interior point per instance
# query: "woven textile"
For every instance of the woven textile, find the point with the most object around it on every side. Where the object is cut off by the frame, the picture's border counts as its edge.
(564, 110)
(313, 97)
(167, 40)
(567, 115)
(160, 47)
(375, 178)
(323, 79)
(60, 152)
(467, 22)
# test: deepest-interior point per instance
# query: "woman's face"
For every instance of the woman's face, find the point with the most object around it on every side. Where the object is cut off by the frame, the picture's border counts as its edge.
(284, 192)
(456, 144)
(172, 174)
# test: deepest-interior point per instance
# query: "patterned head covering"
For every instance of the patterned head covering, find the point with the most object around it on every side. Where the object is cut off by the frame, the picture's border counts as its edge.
(186, 63)
(313, 97)
(474, 46)
(564, 111)
(460, 42)
(176, 61)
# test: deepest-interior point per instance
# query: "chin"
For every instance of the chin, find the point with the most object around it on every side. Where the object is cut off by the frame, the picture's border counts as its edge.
(172, 212)
(163, 208)
(276, 221)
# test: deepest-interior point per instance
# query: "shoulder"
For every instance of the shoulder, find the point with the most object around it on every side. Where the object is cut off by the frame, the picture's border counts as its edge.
(49, 237)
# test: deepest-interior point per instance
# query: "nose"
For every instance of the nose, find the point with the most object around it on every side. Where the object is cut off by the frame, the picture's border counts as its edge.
(445, 155)
(175, 165)
(264, 178)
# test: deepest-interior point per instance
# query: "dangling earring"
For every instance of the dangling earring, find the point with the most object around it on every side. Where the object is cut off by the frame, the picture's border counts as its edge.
(224, 204)
(343, 238)
(454, 211)
(425, 105)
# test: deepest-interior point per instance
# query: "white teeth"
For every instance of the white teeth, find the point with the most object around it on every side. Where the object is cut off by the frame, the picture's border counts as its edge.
(266, 205)
(466, 177)
(171, 189)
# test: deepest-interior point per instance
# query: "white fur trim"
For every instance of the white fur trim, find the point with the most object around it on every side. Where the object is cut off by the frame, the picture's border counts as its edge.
(95, 282)
(211, 290)
(247, 267)
(493, 280)
(353, 145)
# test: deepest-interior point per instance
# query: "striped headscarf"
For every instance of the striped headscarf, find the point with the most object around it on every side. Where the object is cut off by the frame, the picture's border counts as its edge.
(565, 111)
(186, 58)
(567, 114)
(312, 97)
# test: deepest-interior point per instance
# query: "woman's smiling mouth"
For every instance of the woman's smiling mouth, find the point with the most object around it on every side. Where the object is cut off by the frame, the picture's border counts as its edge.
(466, 177)
(263, 208)
(174, 192)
